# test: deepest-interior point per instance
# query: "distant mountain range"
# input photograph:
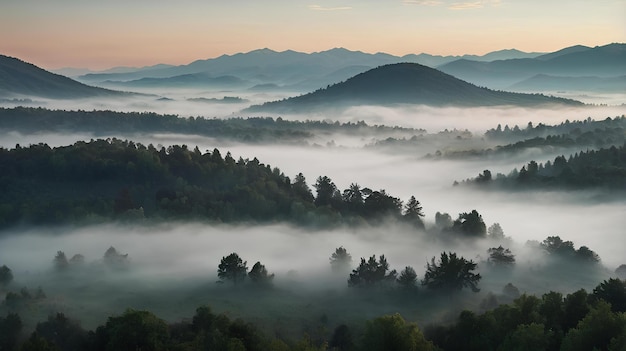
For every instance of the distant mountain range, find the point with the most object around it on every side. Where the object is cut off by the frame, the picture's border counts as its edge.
(406, 83)
(293, 71)
(288, 70)
(577, 61)
(20, 79)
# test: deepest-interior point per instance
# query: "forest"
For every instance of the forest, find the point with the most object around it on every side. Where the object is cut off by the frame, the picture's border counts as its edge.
(464, 284)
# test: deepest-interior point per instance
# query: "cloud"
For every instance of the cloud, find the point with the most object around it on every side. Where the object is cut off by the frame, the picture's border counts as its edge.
(473, 4)
(322, 8)
(423, 2)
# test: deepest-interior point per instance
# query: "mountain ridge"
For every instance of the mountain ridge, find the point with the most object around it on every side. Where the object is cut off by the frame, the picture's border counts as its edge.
(20, 78)
(406, 83)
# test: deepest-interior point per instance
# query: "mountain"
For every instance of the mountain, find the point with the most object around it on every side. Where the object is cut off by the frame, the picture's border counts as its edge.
(289, 69)
(545, 83)
(406, 83)
(577, 61)
(183, 81)
(19, 78)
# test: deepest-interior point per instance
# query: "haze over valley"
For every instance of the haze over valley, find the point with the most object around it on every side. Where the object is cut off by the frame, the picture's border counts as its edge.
(269, 195)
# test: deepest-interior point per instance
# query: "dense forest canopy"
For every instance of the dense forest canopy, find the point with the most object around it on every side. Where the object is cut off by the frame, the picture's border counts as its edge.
(249, 130)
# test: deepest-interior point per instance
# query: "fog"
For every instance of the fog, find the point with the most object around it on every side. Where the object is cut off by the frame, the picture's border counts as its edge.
(172, 267)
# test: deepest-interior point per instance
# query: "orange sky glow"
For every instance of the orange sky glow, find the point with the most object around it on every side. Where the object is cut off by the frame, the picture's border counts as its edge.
(104, 34)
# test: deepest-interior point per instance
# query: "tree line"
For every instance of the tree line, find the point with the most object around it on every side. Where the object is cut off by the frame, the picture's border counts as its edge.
(113, 179)
(576, 321)
(250, 130)
(603, 169)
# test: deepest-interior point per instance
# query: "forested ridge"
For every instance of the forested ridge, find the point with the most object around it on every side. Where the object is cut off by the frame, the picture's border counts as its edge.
(249, 130)
(592, 169)
(115, 179)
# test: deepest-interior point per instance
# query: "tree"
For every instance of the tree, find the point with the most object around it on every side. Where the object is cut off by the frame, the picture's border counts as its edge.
(393, 333)
(596, 330)
(413, 212)
(378, 204)
(6, 276)
(495, 232)
(443, 220)
(259, 275)
(326, 191)
(451, 273)
(60, 261)
(612, 291)
(353, 197)
(470, 224)
(135, 330)
(407, 278)
(10, 327)
(500, 256)
(340, 260)
(114, 258)
(232, 268)
(527, 337)
(341, 339)
(554, 245)
(372, 273)
(301, 189)
(484, 177)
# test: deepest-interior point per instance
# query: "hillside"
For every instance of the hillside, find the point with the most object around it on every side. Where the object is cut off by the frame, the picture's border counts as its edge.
(406, 83)
(291, 70)
(19, 78)
(577, 61)
(544, 82)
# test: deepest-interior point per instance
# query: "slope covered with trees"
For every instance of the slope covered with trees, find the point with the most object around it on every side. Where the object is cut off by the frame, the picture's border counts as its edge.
(114, 179)
(19, 78)
(592, 169)
(408, 83)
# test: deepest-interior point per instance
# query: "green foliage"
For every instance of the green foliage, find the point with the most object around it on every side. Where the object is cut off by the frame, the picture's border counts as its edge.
(10, 328)
(341, 340)
(60, 261)
(135, 330)
(604, 168)
(413, 212)
(340, 260)
(6, 276)
(596, 330)
(63, 332)
(527, 337)
(259, 276)
(451, 273)
(232, 268)
(372, 273)
(559, 249)
(120, 180)
(470, 224)
(393, 333)
(495, 232)
(500, 256)
(407, 278)
(612, 291)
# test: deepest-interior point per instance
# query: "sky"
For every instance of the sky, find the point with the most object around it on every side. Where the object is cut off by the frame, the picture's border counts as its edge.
(103, 34)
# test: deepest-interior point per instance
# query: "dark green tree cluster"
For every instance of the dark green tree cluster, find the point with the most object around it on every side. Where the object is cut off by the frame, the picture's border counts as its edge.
(578, 321)
(372, 273)
(233, 269)
(114, 179)
(250, 130)
(450, 274)
(142, 330)
(6, 275)
(603, 168)
(564, 250)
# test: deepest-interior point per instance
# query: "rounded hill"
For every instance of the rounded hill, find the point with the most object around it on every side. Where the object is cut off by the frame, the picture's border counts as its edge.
(408, 83)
